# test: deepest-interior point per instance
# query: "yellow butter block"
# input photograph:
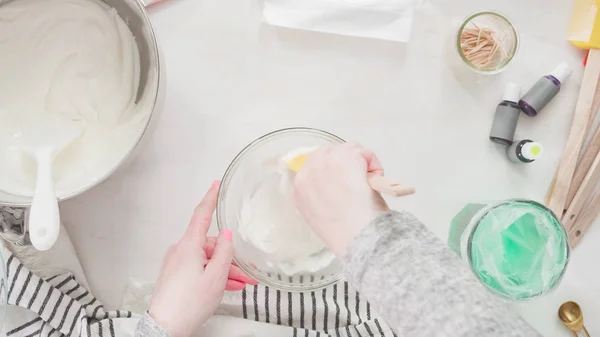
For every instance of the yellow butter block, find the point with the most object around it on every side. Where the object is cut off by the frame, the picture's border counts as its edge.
(584, 30)
(297, 163)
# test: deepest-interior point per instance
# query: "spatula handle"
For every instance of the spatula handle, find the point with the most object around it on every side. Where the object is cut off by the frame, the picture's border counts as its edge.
(44, 216)
(386, 186)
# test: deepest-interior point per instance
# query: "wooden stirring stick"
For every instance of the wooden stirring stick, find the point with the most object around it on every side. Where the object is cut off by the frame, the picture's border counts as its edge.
(585, 219)
(386, 186)
(586, 159)
(582, 197)
(582, 210)
(585, 163)
(376, 182)
(579, 128)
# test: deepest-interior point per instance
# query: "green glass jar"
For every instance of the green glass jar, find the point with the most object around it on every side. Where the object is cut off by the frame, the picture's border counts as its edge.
(517, 248)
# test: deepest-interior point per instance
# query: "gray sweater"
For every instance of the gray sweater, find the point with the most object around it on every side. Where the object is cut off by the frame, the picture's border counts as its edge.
(418, 285)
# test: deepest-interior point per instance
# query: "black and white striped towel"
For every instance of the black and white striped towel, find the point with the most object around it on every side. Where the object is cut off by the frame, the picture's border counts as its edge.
(335, 311)
(60, 306)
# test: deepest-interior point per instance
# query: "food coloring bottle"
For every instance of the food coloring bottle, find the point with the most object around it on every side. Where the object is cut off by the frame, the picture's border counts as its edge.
(524, 151)
(544, 90)
(506, 116)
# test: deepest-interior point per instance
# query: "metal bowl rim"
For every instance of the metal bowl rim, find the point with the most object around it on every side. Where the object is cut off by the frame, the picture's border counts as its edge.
(154, 45)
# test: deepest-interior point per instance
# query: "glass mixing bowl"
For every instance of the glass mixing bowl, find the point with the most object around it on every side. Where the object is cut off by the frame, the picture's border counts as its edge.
(241, 180)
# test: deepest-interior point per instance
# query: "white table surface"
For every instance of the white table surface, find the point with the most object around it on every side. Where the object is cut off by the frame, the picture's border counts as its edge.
(231, 78)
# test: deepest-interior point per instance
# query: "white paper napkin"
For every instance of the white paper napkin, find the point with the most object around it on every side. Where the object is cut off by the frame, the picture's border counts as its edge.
(380, 19)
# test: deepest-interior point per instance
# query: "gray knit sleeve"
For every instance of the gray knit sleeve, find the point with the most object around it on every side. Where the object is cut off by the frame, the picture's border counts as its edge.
(420, 286)
(147, 327)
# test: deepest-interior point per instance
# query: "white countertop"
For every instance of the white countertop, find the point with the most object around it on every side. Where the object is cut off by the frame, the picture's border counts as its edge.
(232, 78)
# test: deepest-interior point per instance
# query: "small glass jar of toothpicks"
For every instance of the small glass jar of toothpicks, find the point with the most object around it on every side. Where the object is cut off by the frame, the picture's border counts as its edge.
(487, 42)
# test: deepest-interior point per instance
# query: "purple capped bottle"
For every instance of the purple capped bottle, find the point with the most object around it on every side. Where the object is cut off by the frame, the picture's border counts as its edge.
(544, 90)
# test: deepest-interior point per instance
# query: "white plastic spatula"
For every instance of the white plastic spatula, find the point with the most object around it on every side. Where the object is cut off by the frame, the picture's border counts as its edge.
(44, 139)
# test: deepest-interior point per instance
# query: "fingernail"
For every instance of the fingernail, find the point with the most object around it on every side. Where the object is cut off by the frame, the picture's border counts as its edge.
(227, 234)
(215, 183)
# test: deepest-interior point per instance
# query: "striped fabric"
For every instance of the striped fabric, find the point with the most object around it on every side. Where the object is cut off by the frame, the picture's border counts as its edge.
(64, 308)
(334, 311)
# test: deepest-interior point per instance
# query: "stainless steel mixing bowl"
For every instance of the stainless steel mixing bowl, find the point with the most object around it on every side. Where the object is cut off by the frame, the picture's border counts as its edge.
(134, 14)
